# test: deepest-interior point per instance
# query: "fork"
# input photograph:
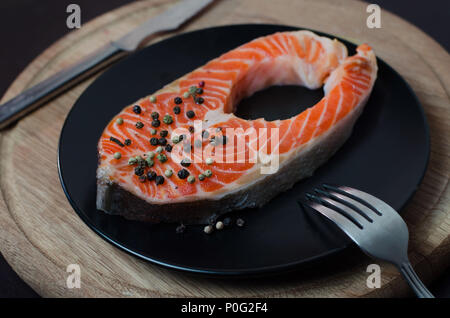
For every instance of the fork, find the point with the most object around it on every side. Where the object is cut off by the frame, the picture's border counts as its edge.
(372, 224)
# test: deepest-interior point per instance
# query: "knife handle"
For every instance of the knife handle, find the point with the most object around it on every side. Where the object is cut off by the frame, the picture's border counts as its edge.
(42, 92)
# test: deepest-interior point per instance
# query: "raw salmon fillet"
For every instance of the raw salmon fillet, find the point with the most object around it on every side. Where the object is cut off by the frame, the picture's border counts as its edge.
(139, 177)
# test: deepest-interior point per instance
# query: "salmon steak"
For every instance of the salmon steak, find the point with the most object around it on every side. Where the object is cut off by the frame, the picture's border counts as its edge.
(181, 155)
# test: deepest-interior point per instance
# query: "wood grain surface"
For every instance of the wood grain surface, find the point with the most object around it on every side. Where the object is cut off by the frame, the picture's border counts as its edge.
(40, 233)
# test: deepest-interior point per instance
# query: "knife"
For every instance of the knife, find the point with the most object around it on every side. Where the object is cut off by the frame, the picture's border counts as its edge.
(39, 94)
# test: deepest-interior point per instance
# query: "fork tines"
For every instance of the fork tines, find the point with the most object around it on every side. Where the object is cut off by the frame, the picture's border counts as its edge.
(343, 205)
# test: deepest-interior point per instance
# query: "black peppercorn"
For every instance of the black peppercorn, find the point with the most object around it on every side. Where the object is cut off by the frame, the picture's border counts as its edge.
(139, 125)
(177, 100)
(156, 123)
(127, 142)
(139, 171)
(163, 133)
(183, 174)
(142, 178)
(151, 175)
(159, 180)
(154, 141)
(137, 109)
(168, 148)
(180, 229)
(190, 114)
(199, 91)
(199, 100)
(227, 221)
(185, 163)
(162, 141)
(155, 115)
(176, 110)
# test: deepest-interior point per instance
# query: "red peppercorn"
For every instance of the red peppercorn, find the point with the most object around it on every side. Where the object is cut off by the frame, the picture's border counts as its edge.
(201, 84)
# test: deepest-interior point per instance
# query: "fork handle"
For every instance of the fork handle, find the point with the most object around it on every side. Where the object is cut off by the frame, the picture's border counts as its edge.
(414, 281)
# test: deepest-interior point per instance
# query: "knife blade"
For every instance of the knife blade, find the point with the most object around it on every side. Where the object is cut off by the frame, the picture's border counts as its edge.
(38, 95)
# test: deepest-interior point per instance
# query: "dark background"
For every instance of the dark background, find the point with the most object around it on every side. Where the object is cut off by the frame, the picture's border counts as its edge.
(27, 27)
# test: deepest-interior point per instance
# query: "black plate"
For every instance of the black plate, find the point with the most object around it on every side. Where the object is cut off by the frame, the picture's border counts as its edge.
(386, 155)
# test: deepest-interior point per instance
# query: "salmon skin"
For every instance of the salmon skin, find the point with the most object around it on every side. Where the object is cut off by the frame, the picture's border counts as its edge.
(181, 155)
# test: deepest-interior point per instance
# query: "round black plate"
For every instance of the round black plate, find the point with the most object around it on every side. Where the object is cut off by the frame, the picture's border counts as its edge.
(386, 155)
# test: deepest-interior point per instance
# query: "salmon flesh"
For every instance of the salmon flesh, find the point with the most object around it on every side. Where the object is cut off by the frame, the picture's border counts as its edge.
(181, 155)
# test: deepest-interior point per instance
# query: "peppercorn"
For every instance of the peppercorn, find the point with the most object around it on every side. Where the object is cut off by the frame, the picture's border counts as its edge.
(185, 162)
(180, 229)
(190, 114)
(163, 133)
(183, 174)
(201, 83)
(150, 162)
(192, 90)
(191, 179)
(191, 129)
(162, 157)
(155, 115)
(137, 109)
(162, 141)
(117, 155)
(142, 178)
(227, 221)
(168, 119)
(168, 148)
(186, 94)
(127, 142)
(159, 180)
(240, 222)
(219, 225)
(201, 177)
(153, 131)
(154, 141)
(199, 100)
(168, 173)
(156, 123)
(209, 161)
(177, 100)
(208, 173)
(139, 125)
(208, 229)
(119, 121)
(181, 137)
(199, 91)
(152, 99)
(132, 161)
(175, 139)
(176, 110)
(139, 171)
(151, 154)
(159, 149)
(151, 175)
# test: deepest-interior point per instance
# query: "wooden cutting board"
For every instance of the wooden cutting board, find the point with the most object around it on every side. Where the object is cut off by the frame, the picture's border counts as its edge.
(41, 235)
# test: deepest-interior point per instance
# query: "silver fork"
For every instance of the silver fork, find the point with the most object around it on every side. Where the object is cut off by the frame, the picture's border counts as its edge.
(372, 224)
